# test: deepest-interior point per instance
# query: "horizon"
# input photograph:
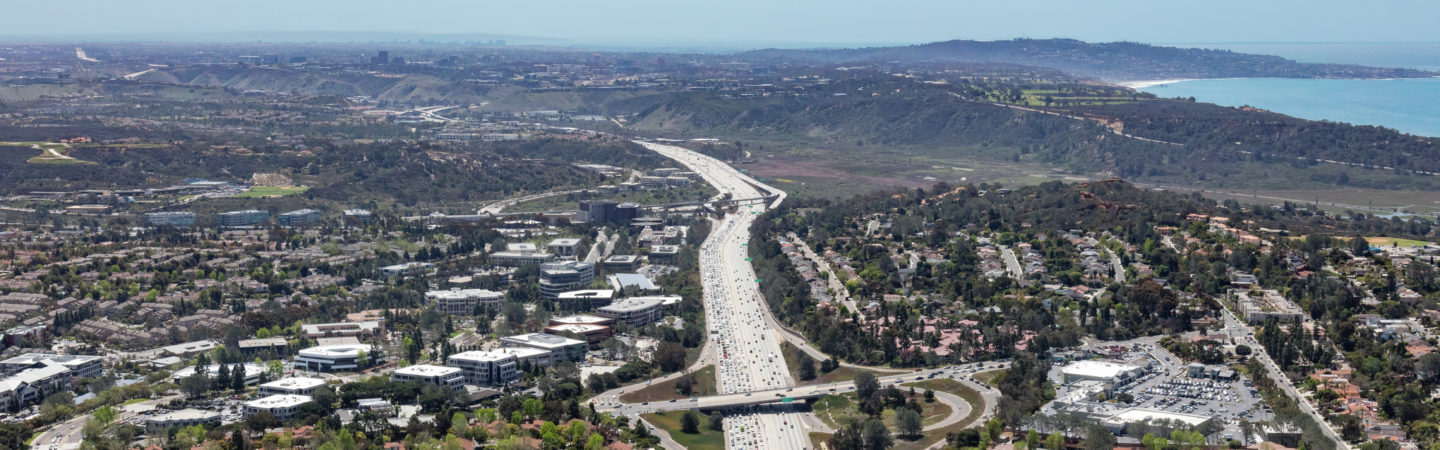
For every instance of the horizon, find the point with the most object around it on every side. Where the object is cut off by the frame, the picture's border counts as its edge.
(804, 23)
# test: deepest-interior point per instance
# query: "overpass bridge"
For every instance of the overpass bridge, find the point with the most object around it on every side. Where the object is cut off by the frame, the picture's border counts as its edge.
(709, 203)
(803, 394)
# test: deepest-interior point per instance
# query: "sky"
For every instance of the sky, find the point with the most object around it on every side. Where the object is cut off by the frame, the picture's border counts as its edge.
(781, 23)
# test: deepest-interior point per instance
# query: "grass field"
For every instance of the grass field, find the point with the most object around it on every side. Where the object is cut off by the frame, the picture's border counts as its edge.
(977, 407)
(838, 410)
(1397, 242)
(50, 153)
(272, 191)
(664, 391)
(842, 373)
(991, 378)
(670, 422)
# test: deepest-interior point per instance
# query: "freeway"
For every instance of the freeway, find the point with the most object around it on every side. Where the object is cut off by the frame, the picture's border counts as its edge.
(745, 345)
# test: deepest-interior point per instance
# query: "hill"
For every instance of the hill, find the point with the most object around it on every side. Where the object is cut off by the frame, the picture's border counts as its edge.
(1111, 61)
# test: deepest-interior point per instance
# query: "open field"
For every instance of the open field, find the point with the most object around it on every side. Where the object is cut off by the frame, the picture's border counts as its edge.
(838, 410)
(659, 392)
(50, 153)
(991, 378)
(272, 191)
(1396, 242)
(705, 439)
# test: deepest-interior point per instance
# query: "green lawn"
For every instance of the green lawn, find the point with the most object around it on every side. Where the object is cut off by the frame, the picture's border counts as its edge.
(272, 191)
(991, 378)
(665, 391)
(839, 410)
(670, 421)
(1389, 241)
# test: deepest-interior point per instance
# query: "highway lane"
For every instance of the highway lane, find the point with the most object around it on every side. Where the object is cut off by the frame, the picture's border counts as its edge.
(747, 348)
(1242, 333)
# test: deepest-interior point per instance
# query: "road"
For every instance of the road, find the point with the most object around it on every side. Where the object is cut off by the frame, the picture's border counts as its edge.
(1012, 264)
(69, 434)
(1116, 266)
(744, 342)
(497, 207)
(1235, 327)
(840, 294)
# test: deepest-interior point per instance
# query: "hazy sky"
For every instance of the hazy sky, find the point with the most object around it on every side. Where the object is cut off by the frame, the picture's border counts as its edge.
(683, 22)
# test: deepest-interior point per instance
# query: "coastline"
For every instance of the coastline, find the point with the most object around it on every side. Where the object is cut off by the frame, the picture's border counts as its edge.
(1142, 84)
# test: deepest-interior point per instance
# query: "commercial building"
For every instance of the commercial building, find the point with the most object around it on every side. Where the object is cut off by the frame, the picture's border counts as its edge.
(174, 219)
(582, 319)
(30, 386)
(1118, 422)
(81, 366)
(299, 217)
(637, 311)
(362, 328)
(358, 217)
(446, 377)
(563, 247)
(599, 211)
(557, 277)
(245, 218)
(409, 268)
(664, 254)
(283, 406)
(464, 301)
(485, 368)
(624, 282)
(596, 297)
(253, 371)
(375, 405)
(330, 358)
(1103, 371)
(520, 254)
(252, 346)
(292, 386)
(164, 420)
(1264, 305)
(626, 212)
(558, 347)
(594, 334)
(621, 263)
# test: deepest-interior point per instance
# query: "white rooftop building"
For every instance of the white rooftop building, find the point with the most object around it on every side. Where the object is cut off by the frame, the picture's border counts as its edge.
(1106, 371)
(485, 368)
(446, 377)
(330, 358)
(283, 407)
(464, 301)
(292, 386)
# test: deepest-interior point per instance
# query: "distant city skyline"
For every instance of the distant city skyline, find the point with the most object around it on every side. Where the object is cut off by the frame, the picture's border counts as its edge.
(735, 23)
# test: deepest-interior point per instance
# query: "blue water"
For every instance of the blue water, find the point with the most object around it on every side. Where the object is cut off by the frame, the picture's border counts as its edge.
(1408, 105)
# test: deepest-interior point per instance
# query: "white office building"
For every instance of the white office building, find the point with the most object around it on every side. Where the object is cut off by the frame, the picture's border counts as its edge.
(563, 247)
(637, 311)
(166, 419)
(292, 386)
(446, 377)
(485, 368)
(464, 301)
(330, 358)
(557, 277)
(560, 348)
(81, 366)
(283, 406)
(253, 372)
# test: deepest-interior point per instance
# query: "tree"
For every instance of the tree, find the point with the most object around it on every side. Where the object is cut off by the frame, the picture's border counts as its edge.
(261, 421)
(1242, 350)
(805, 366)
(670, 356)
(717, 421)
(195, 385)
(690, 422)
(908, 422)
(865, 385)
(237, 378)
(1032, 439)
(685, 384)
(1098, 438)
(1054, 441)
(877, 436)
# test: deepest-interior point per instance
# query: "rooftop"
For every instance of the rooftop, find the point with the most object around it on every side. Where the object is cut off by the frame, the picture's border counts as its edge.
(455, 294)
(633, 304)
(295, 383)
(1098, 369)
(588, 293)
(542, 340)
(279, 401)
(481, 356)
(426, 370)
(334, 351)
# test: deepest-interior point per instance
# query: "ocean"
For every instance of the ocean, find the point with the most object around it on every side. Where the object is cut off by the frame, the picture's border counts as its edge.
(1408, 105)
